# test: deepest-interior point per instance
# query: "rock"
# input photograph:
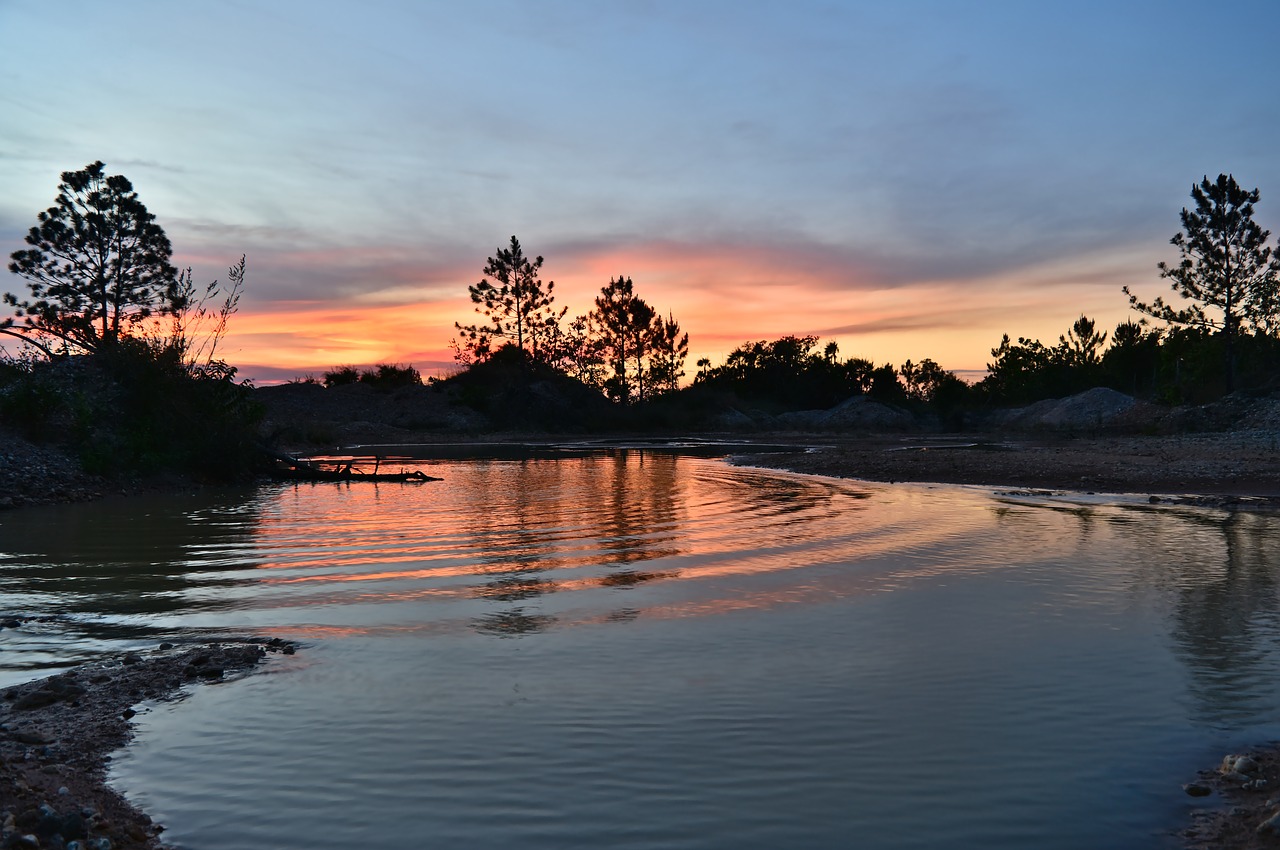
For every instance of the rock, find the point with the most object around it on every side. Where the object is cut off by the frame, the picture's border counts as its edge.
(1197, 789)
(72, 826)
(131, 658)
(1270, 826)
(166, 646)
(52, 690)
(1244, 764)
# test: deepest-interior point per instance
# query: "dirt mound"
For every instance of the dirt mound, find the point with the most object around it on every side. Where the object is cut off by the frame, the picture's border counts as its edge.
(1093, 409)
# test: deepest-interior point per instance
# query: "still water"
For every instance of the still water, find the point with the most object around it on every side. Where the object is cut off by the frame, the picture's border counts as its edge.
(646, 650)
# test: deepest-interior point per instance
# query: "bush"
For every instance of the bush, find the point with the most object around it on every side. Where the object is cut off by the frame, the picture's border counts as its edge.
(384, 376)
(130, 409)
(341, 376)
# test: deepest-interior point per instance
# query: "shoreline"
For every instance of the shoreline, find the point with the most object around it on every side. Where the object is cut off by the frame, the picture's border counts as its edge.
(57, 735)
(1246, 792)
(1215, 469)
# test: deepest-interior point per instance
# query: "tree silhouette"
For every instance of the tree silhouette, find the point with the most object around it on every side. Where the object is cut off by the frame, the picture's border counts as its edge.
(622, 321)
(670, 349)
(1225, 265)
(98, 266)
(517, 305)
(1081, 346)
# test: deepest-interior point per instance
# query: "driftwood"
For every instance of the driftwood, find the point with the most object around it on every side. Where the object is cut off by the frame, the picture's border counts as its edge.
(292, 468)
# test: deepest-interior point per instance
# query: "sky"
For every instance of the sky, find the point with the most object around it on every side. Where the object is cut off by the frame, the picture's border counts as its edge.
(911, 179)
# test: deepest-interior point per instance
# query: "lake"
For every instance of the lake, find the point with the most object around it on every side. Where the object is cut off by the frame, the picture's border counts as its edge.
(642, 649)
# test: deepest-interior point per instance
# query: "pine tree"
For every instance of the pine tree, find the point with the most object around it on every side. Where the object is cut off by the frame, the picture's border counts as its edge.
(517, 305)
(1226, 266)
(98, 266)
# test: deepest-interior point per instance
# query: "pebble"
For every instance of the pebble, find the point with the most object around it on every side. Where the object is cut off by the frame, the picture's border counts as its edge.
(1197, 789)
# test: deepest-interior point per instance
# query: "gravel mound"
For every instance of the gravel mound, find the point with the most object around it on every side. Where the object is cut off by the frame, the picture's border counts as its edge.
(1090, 410)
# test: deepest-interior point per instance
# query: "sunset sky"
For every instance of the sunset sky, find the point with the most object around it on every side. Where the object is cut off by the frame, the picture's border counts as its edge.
(910, 178)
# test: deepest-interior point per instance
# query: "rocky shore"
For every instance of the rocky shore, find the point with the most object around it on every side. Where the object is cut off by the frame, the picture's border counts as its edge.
(32, 474)
(1247, 817)
(57, 735)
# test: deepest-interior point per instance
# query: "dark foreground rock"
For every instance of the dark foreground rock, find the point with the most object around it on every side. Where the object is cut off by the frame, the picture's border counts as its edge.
(57, 735)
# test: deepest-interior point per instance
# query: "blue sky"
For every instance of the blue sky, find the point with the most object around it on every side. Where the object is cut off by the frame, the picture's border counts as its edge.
(910, 178)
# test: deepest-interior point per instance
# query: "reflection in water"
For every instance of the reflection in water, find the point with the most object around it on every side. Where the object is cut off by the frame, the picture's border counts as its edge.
(120, 556)
(513, 622)
(1217, 571)
(539, 514)
(701, 655)
(1225, 618)
(514, 589)
(630, 578)
(96, 577)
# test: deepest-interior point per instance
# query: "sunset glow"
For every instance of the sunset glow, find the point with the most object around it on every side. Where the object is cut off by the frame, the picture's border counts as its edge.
(910, 181)
(723, 296)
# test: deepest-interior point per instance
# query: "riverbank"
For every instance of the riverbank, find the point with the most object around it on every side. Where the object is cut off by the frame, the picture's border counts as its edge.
(1246, 792)
(1224, 466)
(57, 735)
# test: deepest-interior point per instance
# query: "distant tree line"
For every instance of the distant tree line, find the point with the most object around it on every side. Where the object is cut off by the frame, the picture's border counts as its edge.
(1225, 336)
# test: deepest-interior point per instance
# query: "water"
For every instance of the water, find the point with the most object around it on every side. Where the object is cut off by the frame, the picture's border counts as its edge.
(643, 650)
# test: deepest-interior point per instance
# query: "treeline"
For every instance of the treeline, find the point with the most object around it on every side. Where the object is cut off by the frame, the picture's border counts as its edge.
(1225, 336)
(793, 373)
(623, 347)
(1174, 365)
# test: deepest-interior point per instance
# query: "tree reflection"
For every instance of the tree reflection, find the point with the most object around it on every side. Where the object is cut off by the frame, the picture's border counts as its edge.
(514, 589)
(631, 578)
(540, 521)
(512, 623)
(1215, 571)
(1225, 624)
